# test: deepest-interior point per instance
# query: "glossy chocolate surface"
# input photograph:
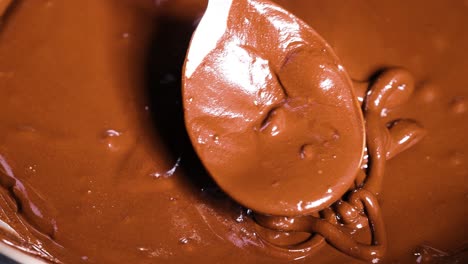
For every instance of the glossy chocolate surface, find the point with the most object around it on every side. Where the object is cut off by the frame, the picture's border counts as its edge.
(96, 165)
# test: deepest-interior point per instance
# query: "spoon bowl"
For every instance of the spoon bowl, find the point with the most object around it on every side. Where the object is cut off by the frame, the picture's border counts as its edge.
(270, 110)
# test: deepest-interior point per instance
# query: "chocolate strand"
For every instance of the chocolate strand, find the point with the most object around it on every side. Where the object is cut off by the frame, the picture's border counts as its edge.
(391, 89)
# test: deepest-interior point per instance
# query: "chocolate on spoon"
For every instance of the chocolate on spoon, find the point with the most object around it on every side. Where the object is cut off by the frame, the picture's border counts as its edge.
(270, 110)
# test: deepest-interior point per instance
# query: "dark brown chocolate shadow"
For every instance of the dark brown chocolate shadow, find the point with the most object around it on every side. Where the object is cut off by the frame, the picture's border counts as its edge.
(163, 77)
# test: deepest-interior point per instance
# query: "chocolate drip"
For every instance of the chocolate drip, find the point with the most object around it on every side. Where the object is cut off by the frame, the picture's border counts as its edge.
(361, 209)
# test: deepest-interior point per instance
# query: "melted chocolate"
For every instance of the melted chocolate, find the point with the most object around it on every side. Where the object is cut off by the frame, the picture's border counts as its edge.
(96, 170)
(4, 5)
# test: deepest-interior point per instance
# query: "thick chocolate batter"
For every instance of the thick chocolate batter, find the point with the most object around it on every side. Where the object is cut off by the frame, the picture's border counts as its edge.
(96, 166)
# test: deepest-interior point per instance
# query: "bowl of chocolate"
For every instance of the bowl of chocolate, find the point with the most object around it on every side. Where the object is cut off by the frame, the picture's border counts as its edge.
(233, 131)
